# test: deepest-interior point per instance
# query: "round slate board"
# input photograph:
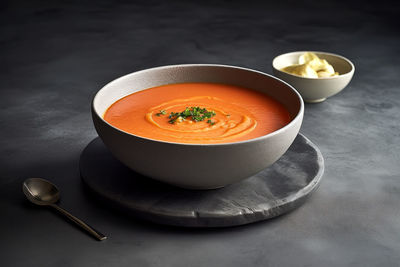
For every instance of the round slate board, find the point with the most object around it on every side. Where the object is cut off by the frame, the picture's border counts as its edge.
(276, 190)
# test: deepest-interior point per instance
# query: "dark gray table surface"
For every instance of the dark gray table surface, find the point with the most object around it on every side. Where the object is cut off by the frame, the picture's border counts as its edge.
(53, 58)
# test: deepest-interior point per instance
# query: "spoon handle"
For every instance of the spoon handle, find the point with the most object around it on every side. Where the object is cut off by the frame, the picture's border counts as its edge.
(82, 224)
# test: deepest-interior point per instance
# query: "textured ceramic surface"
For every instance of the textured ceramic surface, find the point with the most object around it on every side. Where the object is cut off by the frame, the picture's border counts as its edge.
(274, 191)
(315, 90)
(222, 164)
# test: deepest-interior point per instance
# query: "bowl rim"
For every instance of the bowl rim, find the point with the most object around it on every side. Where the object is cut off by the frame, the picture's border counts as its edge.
(299, 114)
(350, 73)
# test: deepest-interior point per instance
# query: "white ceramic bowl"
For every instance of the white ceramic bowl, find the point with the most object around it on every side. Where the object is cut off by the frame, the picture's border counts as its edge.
(177, 163)
(314, 90)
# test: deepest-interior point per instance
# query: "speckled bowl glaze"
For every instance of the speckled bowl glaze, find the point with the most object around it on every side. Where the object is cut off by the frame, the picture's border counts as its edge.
(177, 163)
(314, 90)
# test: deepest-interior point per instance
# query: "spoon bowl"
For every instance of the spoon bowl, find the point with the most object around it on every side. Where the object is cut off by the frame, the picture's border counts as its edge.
(40, 191)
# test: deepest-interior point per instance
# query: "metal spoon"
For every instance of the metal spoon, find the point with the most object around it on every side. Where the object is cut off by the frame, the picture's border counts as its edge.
(42, 192)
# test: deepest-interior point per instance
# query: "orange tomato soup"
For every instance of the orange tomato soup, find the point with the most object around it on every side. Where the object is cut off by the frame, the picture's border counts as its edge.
(234, 113)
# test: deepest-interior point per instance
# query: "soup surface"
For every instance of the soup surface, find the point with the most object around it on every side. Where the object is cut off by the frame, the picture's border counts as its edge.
(198, 113)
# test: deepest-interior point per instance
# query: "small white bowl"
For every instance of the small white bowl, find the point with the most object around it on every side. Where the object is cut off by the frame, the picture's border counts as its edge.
(314, 90)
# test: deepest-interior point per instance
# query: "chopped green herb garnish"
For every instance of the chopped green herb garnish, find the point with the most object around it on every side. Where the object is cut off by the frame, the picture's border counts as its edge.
(195, 113)
(162, 112)
(211, 122)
